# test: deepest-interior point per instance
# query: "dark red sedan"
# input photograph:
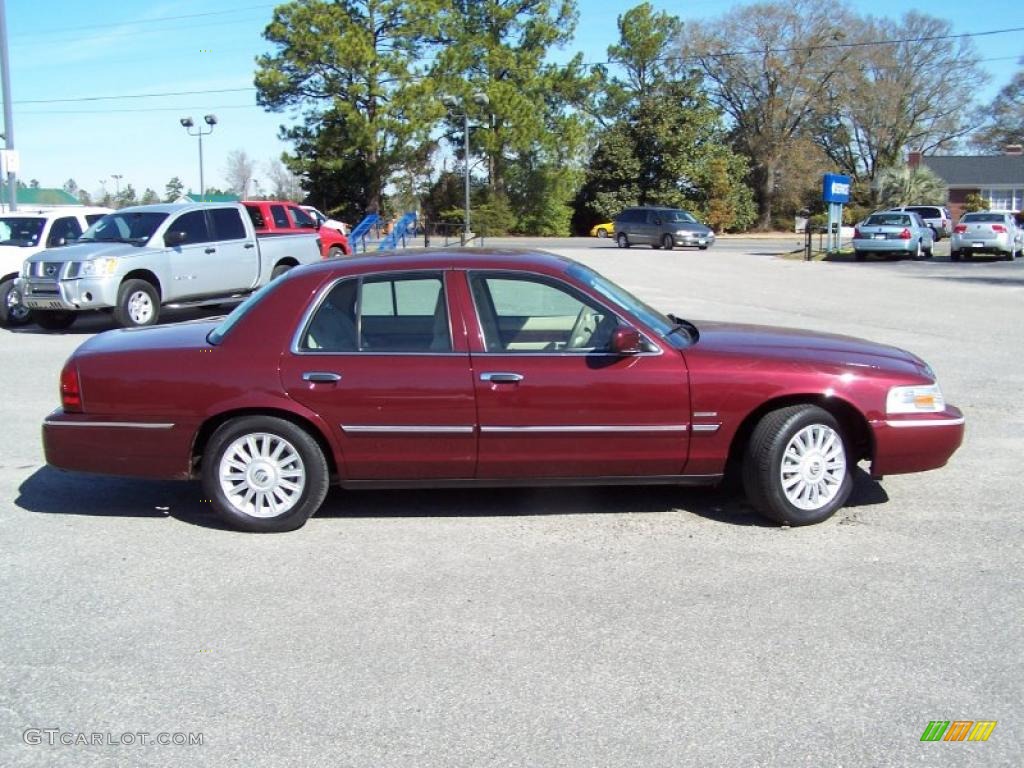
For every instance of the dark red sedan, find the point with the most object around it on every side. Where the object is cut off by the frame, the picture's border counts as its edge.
(437, 369)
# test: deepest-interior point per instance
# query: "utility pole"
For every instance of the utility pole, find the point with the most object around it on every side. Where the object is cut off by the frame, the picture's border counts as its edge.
(5, 82)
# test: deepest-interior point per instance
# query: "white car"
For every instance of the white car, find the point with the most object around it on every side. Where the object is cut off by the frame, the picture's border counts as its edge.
(323, 221)
(987, 232)
(26, 232)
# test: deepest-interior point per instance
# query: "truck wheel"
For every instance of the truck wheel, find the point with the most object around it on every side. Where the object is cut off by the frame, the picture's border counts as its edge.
(335, 252)
(52, 320)
(12, 312)
(279, 270)
(264, 474)
(795, 469)
(138, 304)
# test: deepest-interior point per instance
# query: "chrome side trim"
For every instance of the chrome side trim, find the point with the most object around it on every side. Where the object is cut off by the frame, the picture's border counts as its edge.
(121, 424)
(536, 482)
(706, 427)
(379, 429)
(589, 428)
(925, 423)
(500, 377)
(704, 414)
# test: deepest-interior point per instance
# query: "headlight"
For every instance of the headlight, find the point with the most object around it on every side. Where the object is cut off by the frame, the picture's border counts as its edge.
(97, 267)
(919, 399)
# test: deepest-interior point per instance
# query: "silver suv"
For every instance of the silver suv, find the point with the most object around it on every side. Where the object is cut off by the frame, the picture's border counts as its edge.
(661, 228)
(937, 217)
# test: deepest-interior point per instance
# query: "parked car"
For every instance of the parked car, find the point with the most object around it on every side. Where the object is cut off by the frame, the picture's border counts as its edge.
(282, 218)
(135, 260)
(893, 233)
(324, 220)
(987, 232)
(661, 228)
(937, 217)
(602, 230)
(24, 233)
(490, 368)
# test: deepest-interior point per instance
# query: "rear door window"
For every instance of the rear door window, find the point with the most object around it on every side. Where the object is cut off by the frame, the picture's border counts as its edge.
(280, 216)
(227, 224)
(257, 216)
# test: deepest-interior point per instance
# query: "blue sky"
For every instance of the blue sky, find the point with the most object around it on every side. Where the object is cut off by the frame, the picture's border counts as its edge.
(73, 50)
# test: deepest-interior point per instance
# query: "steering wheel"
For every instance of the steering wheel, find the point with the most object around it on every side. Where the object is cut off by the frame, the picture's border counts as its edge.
(584, 327)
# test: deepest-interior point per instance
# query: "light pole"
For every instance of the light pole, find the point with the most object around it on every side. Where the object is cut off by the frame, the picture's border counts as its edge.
(117, 184)
(187, 124)
(452, 103)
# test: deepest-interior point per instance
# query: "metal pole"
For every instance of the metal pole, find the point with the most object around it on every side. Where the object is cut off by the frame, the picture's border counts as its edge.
(202, 187)
(12, 185)
(465, 128)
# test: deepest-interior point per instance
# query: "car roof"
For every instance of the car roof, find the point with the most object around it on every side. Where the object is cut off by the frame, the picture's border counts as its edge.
(173, 207)
(524, 259)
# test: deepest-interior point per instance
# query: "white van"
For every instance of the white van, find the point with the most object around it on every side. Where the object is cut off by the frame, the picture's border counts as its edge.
(27, 231)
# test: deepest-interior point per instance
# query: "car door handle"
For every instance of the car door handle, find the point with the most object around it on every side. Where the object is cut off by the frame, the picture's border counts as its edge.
(501, 378)
(250, 245)
(321, 377)
(211, 250)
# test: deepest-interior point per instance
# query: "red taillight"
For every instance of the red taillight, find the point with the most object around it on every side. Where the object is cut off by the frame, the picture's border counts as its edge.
(960, 228)
(856, 234)
(70, 391)
(998, 228)
(905, 234)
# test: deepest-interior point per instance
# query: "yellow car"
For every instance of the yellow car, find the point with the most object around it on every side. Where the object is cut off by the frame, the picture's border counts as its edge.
(602, 230)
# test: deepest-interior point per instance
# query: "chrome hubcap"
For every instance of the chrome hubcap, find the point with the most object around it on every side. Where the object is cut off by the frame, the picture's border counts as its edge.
(813, 467)
(140, 308)
(262, 475)
(15, 309)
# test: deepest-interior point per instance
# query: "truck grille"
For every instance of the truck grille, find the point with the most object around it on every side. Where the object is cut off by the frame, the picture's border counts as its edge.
(48, 269)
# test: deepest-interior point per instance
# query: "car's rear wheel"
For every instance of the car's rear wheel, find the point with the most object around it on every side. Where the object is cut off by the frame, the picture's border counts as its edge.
(859, 255)
(602, 233)
(138, 304)
(1008, 256)
(918, 251)
(12, 312)
(795, 469)
(279, 270)
(954, 255)
(264, 474)
(335, 252)
(621, 240)
(53, 319)
(667, 242)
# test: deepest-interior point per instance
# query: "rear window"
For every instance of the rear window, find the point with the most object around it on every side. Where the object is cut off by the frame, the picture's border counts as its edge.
(217, 334)
(888, 220)
(926, 212)
(280, 217)
(990, 218)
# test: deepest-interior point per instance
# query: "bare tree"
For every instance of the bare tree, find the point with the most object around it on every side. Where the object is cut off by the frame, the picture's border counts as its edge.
(770, 67)
(239, 171)
(1003, 119)
(284, 184)
(895, 96)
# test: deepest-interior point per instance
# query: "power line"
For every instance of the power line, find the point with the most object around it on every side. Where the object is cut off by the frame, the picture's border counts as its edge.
(134, 96)
(149, 21)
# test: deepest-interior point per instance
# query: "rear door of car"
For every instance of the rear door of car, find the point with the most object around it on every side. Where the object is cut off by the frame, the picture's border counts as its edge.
(382, 360)
(553, 401)
(236, 258)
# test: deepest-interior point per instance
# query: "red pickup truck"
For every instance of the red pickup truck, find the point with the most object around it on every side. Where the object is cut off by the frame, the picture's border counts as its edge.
(271, 217)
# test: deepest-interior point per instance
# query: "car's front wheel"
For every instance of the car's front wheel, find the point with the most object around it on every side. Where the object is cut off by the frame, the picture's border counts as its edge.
(264, 474)
(12, 312)
(667, 242)
(138, 304)
(796, 470)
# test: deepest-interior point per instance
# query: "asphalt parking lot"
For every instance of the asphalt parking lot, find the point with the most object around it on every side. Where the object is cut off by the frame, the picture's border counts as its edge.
(572, 627)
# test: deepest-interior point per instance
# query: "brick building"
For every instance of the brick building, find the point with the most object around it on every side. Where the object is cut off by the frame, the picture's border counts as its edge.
(999, 179)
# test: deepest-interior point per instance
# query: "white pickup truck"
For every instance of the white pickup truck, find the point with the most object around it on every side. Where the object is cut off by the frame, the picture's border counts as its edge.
(136, 260)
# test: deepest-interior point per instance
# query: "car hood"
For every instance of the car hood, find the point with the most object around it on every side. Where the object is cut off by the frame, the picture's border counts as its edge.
(85, 252)
(187, 335)
(806, 347)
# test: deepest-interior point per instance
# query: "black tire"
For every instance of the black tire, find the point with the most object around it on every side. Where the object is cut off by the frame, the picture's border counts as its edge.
(138, 304)
(1008, 256)
(859, 255)
(279, 270)
(308, 456)
(12, 312)
(702, 247)
(929, 252)
(667, 242)
(602, 233)
(621, 240)
(762, 465)
(954, 255)
(53, 320)
(335, 252)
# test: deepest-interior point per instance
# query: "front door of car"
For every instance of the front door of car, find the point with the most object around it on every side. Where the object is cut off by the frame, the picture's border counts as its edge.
(553, 401)
(193, 266)
(378, 360)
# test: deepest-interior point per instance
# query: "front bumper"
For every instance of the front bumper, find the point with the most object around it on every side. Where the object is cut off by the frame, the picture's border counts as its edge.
(74, 295)
(692, 239)
(916, 442)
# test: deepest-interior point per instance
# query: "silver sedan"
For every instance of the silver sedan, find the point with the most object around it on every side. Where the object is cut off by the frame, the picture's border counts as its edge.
(986, 232)
(893, 234)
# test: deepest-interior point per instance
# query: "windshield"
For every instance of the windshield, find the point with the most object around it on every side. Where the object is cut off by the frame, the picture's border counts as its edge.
(649, 316)
(680, 217)
(124, 227)
(21, 231)
(217, 334)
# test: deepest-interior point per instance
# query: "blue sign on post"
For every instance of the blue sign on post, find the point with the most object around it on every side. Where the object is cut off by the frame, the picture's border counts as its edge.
(835, 188)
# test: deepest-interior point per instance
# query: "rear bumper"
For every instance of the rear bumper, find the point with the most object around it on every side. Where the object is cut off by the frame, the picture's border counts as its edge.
(916, 443)
(993, 245)
(885, 246)
(107, 446)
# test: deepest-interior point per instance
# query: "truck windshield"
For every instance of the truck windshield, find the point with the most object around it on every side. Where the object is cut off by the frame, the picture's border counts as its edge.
(124, 227)
(22, 231)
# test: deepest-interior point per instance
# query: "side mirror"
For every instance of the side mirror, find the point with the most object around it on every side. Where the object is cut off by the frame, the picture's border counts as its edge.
(174, 237)
(56, 242)
(627, 340)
